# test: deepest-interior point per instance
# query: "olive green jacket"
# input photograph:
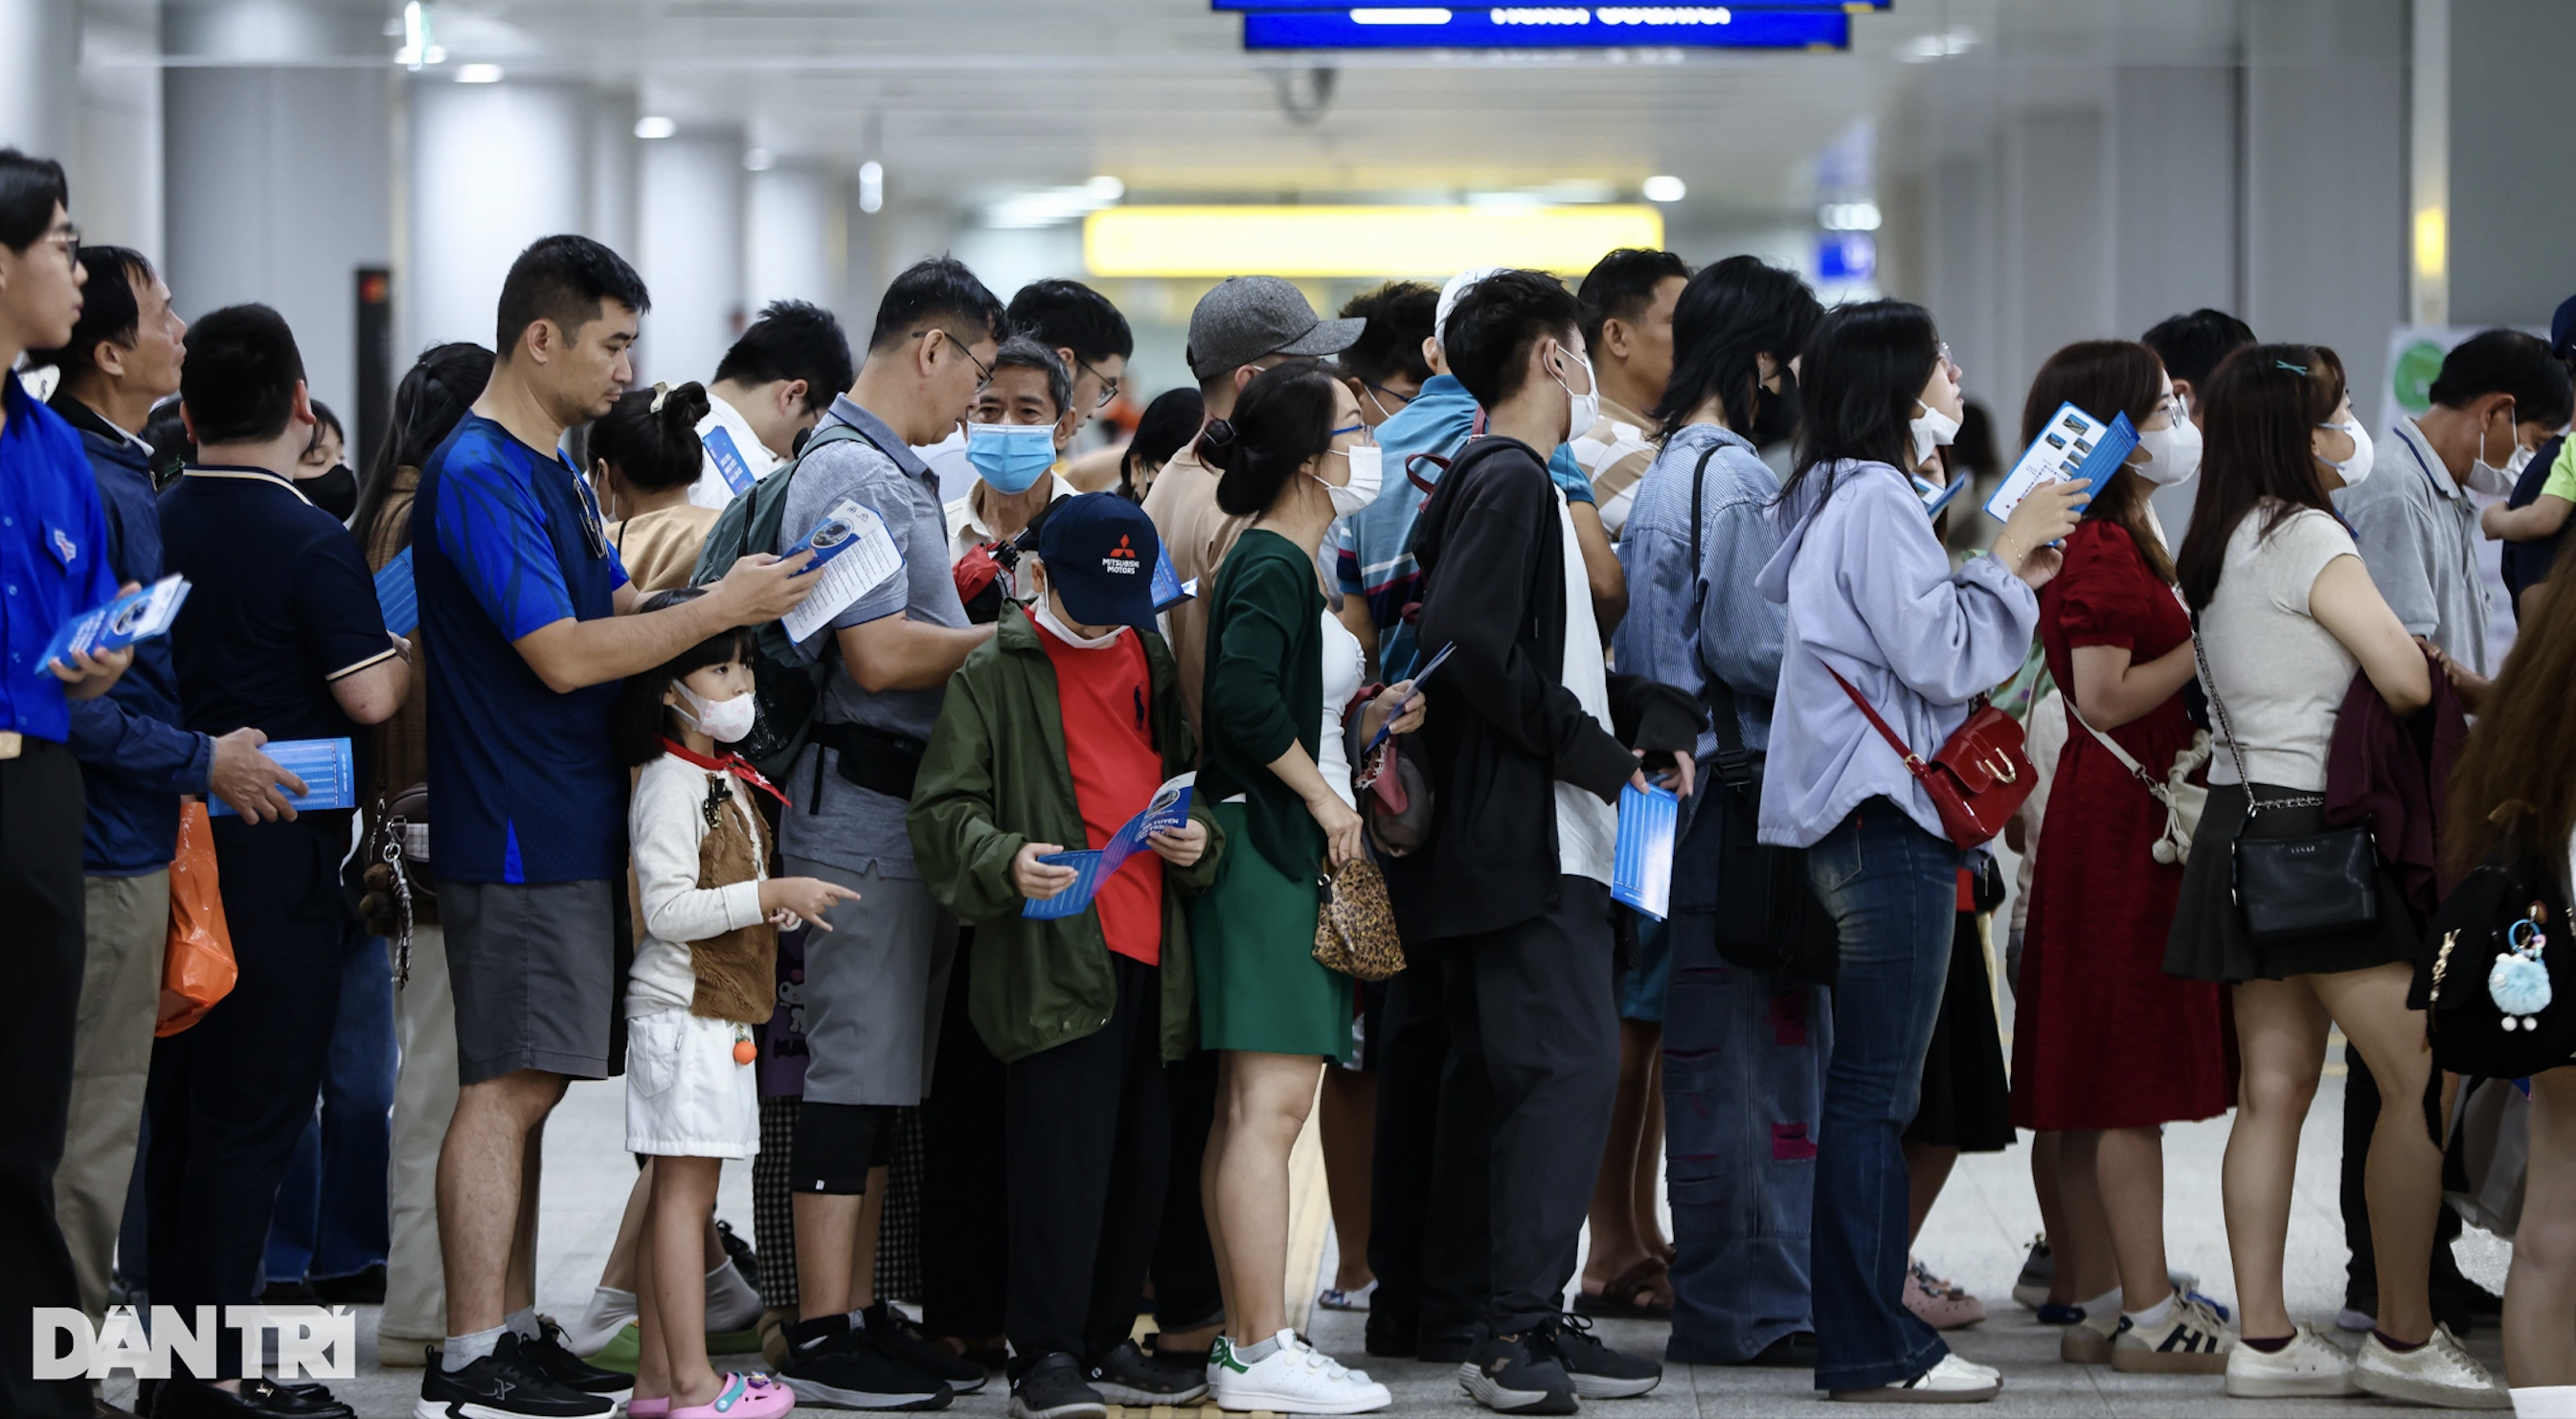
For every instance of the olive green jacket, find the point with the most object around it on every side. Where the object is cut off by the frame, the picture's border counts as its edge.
(994, 778)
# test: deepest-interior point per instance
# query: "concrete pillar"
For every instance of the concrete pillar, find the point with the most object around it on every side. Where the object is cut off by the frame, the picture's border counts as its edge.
(790, 238)
(2508, 206)
(39, 61)
(116, 149)
(613, 161)
(2173, 168)
(493, 168)
(689, 248)
(2055, 247)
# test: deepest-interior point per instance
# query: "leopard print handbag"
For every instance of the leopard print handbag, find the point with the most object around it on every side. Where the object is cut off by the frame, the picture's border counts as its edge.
(1354, 927)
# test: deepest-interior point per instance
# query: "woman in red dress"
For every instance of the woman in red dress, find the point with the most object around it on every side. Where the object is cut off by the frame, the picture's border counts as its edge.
(2106, 1046)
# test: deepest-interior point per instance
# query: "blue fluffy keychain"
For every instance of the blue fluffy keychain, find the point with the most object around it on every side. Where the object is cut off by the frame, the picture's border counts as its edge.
(2518, 983)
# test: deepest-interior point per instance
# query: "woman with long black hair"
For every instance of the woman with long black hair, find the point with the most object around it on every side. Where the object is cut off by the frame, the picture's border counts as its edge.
(1873, 605)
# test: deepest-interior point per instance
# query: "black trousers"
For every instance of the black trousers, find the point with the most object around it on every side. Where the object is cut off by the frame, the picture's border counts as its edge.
(1186, 1291)
(42, 922)
(231, 1094)
(1090, 1133)
(1536, 1001)
(1434, 1125)
(964, 1257)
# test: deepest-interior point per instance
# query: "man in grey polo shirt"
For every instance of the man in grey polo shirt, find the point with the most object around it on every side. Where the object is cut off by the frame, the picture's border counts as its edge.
(874, 984)
(2500, 392)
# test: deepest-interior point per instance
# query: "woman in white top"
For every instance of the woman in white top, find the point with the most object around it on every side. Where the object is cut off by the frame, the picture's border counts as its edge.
(2520, 754)
(2286, 615)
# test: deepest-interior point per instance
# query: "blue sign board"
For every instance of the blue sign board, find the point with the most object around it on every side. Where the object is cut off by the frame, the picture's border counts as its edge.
(1549, 27)
(1833, 5)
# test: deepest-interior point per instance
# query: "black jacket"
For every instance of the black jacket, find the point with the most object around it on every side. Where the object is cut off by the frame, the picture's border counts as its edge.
(1503, 729)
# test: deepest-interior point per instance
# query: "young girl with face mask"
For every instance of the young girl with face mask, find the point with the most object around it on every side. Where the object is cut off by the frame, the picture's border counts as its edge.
(701, 983)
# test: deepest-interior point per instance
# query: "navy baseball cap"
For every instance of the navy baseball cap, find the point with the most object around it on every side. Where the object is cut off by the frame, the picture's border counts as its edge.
(2562, 329)
(1100, 551)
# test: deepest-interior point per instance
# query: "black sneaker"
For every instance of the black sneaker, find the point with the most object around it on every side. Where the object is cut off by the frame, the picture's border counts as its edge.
(739, 1252)
(366, 1288)
(1598, 1371)
(903, 1343)
(258, 1398)
(1519, 1374)
(550, 1357)
(1053, 1389)
(1127, 1375)
(502, 1384)
(831, 1366)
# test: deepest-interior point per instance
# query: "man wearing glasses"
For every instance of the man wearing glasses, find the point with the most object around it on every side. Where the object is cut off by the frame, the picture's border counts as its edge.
(875, 983)
(53, 562)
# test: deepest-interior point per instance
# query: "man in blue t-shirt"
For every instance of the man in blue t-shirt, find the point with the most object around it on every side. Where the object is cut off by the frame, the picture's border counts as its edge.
(522, 595)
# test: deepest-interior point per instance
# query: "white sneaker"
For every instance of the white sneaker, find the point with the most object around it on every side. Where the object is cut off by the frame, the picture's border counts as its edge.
(1953, 1381)
(2438, 1372)
(2088, 1341)
(1296, 1378)
(2191, 1341)
(2309, 1365)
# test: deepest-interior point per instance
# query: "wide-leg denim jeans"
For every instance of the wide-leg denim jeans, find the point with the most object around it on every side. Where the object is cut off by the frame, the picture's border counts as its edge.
(1892, 890)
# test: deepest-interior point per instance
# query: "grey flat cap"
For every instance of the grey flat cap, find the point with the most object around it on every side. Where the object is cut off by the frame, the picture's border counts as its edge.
(1247, 317)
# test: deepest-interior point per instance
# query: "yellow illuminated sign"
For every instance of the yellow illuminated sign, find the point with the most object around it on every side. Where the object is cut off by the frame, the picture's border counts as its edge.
(1359, 241)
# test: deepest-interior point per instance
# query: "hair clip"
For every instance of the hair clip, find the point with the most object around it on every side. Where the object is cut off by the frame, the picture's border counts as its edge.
(2286, 365)
(662, 391)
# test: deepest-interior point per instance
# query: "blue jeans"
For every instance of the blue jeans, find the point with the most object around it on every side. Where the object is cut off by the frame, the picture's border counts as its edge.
(1744, 1078)
(1892, 890)
(331, 1218)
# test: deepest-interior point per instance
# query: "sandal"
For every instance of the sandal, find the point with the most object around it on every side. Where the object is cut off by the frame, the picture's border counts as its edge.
(1617, 1300)
(741, 1396)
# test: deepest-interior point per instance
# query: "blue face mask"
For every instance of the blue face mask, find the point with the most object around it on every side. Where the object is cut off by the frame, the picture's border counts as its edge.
(1011, 457)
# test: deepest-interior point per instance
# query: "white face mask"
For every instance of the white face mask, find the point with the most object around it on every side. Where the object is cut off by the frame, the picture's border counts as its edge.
(1368, 475)
(1932, 429)
(2497, 482)
(724, 721)
(1044, 609)
(2173, 453)
(2354, 470)
(1585, 408)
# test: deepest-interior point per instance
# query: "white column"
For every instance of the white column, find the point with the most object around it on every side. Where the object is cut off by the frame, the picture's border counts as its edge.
(689, 249)
(116, 151)
(792, 232)
(2510, 209)
(493, 168)
(612, 160)
(39, 57)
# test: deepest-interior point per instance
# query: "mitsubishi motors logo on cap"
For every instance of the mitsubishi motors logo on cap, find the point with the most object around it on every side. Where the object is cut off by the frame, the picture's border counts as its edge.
(1121, 558)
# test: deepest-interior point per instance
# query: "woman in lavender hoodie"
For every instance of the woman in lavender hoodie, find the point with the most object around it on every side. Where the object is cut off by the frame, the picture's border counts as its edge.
(1871, 596)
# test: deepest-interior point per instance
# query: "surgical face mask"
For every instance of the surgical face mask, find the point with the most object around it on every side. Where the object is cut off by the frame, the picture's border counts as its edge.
(1368, 475)
(1011, 457)
(1585, 408)
(724, 721)
(335, 492)
(1775, 416)
(2354, 470)
(2173, 453)
(1044, 609)
(2497, 481)
(1932, 429)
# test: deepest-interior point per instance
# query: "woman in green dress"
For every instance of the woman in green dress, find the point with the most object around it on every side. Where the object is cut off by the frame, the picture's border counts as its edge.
(1295, 456)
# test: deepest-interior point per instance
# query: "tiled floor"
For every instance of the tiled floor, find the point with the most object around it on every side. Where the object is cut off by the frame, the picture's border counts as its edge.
(1976, 1237)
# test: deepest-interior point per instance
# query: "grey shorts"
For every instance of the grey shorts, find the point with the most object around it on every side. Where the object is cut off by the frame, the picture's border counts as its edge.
(875, 985)
(535, 973)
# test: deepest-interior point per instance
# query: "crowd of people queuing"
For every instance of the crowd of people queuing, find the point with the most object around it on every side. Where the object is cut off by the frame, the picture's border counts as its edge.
(1665, 529)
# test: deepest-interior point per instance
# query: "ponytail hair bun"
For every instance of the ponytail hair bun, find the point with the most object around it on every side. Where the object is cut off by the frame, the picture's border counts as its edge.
(650, 436)
(680, 407)
(1216, 444)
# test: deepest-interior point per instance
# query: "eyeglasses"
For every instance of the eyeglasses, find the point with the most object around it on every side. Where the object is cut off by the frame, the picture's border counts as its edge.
(1947, 362)
(983, 371)
(2178, 405)
(1399, 396)
(67, 237)
(1108, 386)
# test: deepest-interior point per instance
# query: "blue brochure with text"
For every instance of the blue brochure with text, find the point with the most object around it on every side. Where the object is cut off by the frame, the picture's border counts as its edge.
(330, 774)
(1641, 871)
(1170, 808)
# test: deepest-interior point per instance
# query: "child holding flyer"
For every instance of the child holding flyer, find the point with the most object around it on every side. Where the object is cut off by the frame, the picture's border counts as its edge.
(1054, 736)
(701, 982)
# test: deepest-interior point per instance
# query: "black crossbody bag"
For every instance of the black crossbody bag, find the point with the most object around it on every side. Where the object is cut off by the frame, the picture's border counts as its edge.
(2290, 888)
(1763, 908)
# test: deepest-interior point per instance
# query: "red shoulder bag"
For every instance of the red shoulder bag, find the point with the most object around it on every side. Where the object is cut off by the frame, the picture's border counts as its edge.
(1977, 779)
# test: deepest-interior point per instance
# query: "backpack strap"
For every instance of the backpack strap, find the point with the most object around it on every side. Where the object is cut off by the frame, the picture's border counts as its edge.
(1734, 761)
(829, 433)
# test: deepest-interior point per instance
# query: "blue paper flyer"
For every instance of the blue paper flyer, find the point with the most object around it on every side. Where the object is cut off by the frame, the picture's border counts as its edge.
(397, 597)
(136, 616)
(729, 460)
(1387, 729)
(2073, 445)
(1170, 808)
(330, 775)
(1641, 871)
(1937, 497)
(1169, 589)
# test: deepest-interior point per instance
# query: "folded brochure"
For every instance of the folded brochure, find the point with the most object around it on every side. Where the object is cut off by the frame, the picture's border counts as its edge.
(136, 616)
(1386, 729)
(330, 775)
(1170, 808)
(1641, 867)
(1169, 589)
(853, 554)
(397, 597)
(2073, 444)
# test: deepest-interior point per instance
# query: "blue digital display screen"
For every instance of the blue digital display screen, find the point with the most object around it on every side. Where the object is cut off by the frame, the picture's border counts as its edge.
(1548, 27)
(1829, 5)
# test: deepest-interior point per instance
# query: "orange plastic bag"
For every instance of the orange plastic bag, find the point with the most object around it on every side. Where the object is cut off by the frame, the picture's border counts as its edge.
(198, 969)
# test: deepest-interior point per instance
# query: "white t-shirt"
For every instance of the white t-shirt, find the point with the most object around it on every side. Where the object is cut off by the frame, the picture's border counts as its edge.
(724, 430)
(1587, 829)
(1342, 670)
(2281, 676)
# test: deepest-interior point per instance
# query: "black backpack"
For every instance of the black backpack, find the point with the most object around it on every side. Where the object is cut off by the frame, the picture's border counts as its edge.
(786, 685)
(2511, 906)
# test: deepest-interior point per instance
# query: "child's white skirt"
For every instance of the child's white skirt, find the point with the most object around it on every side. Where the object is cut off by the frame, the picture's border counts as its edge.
(686, 1097)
